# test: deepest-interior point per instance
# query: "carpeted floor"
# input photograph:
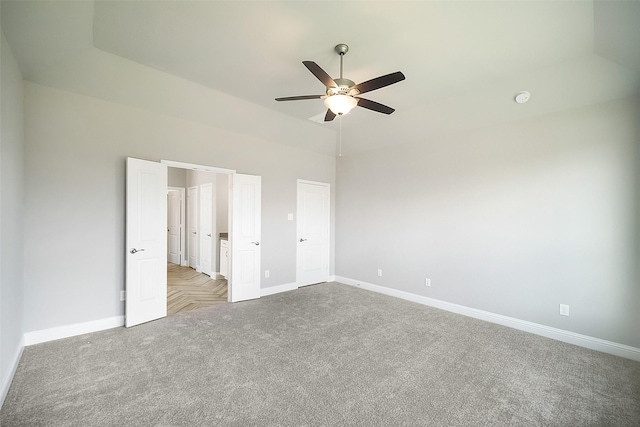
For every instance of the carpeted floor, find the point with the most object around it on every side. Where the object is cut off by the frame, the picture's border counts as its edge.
(325, 355)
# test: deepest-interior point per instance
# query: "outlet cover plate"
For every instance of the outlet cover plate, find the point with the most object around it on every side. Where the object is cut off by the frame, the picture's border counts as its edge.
(564, 310)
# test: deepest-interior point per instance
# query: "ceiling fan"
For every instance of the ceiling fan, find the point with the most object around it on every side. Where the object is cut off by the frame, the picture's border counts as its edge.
(342, 95)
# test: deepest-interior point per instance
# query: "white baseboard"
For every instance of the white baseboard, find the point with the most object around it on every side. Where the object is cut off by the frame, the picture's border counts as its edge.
(37, 337)
(277, 289)
(586, 341)
(331, 279)
(5, 383)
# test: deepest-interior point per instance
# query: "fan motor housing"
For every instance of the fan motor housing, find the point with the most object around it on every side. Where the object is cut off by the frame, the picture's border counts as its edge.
(343, 88)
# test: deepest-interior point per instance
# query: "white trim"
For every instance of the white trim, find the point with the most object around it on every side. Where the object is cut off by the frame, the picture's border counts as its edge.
(331, 278)
(586, 341)
(192, 166)
(6, 381)
(37, 337)
(277, 289)
(306, 181)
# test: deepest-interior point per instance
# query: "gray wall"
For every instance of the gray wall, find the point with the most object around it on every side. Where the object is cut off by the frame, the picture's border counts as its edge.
(11, 214)
(75, 186)
(514, 219)
(177, 177)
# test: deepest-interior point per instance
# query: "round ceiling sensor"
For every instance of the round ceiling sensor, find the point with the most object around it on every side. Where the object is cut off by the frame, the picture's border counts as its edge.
(522, 97)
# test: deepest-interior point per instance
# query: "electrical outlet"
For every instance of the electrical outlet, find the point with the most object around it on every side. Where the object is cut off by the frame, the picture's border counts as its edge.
(266, 274)
(379, 272)
(427, 282)
(564, 310)
(290, 217)
(123, 295)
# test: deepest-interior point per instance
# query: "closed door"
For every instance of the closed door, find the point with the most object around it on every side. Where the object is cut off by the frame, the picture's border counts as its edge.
(312, 256)
(192, 224)
(146, 242)
(206, 228)
(245, 233)
(173, 226)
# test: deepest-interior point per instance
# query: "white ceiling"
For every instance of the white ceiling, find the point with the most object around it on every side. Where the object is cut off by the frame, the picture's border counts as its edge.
(463, 61)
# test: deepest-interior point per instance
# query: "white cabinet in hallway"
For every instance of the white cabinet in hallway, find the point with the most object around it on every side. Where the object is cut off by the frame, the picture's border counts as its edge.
(224, 258)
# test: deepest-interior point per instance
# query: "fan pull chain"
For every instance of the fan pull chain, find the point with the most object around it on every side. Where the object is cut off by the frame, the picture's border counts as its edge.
(340, 137)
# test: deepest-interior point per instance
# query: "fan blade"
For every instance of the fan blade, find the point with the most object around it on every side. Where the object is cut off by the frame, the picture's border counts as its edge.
(329, 116)
(298, 98)
(375, 106)
(379, 82)
(320, 74)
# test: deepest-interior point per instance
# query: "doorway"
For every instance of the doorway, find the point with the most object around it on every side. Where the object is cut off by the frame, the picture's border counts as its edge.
(146, 237)
(189, 290)
(200, 282)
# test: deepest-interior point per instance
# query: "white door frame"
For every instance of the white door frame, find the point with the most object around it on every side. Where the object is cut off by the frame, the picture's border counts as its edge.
(183, 253)
(203, 168)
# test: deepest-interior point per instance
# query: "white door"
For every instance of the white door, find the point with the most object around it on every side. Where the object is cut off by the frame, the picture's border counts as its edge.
(146, 241)
(206, 228)
(173, 226)
(245, 237)
(192, 225)
(312, 256)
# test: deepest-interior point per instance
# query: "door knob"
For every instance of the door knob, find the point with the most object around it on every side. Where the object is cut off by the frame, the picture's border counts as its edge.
(303, 240)
(208, 235)
(256, 243)
(193, 232)
(134, 250)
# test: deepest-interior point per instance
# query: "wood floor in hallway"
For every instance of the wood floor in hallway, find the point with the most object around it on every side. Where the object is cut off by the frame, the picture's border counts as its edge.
(189, 290)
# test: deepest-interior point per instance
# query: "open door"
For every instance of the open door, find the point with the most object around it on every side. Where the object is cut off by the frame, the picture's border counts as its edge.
(146, 241)
(245, 237)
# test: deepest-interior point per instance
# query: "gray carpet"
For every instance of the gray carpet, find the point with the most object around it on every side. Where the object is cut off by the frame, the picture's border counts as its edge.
(325, 355)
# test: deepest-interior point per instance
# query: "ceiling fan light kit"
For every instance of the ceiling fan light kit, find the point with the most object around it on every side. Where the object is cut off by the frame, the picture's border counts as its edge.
(342, 95)
(340, 104)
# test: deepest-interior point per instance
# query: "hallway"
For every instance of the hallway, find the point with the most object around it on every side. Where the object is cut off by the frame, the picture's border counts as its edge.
(189, 290)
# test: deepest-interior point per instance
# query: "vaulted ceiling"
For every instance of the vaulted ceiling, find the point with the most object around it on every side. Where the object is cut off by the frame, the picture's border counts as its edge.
(463, 61)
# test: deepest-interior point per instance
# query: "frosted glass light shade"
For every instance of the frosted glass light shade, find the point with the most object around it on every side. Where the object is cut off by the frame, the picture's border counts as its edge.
(340, 104)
